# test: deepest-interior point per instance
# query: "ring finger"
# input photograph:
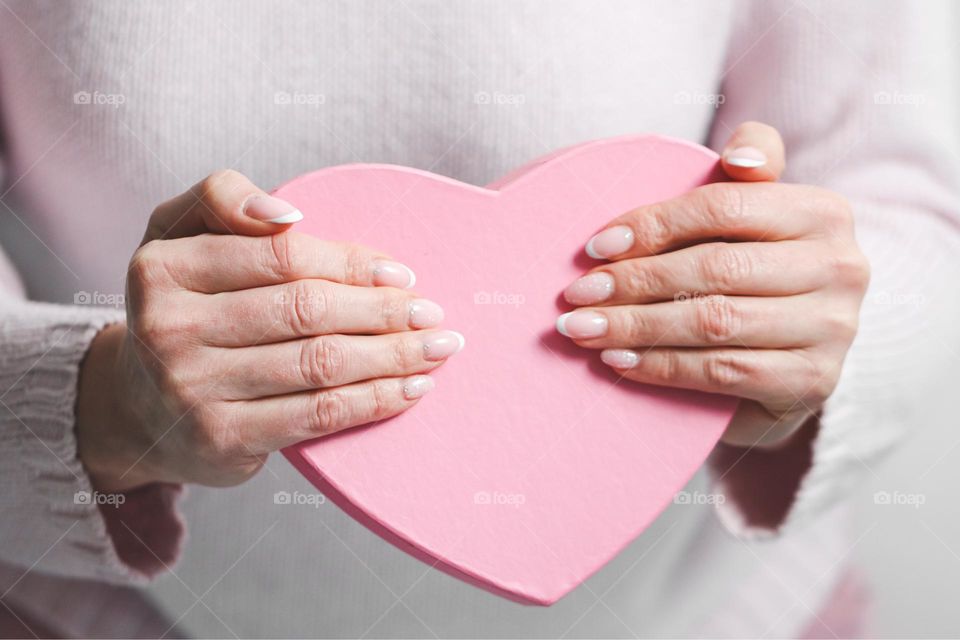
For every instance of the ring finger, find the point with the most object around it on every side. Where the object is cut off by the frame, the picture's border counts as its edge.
(333, 360)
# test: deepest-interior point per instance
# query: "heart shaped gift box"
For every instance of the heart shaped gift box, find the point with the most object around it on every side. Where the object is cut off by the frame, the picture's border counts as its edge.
(531, 465)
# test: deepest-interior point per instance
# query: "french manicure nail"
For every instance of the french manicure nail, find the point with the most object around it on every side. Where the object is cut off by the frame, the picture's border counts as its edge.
(442, 344)
(620, 358)
(417, 386)
(582, 324)
(269, 209)
(387, 273)
(610, 242)
(425, 313)
(590, 289)
(746, 157)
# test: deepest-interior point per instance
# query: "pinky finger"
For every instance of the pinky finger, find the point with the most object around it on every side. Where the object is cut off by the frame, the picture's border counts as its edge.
(771, 376)
(281, 421)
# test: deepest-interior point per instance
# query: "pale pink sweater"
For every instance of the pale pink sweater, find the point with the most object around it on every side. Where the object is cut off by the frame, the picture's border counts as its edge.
(109, 108)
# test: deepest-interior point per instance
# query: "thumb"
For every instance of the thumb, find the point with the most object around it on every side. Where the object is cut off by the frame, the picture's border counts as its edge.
(754, 153)
(223, 202)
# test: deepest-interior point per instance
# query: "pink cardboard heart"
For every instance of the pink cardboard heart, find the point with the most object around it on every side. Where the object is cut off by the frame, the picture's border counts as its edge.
(530, 465)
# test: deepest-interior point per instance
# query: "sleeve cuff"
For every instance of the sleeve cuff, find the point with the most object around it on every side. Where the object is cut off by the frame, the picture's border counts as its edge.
(51, 518)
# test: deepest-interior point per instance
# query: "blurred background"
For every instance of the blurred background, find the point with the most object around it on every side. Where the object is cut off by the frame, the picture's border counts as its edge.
(910, 546)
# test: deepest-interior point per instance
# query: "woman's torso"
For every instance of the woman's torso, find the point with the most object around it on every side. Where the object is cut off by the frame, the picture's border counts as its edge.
(111, 107)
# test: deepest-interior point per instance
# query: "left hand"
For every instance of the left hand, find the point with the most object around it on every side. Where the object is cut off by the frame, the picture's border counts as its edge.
(751, 290)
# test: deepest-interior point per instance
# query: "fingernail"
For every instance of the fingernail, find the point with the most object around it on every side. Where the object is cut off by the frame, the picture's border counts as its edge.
(620, 358)
(610, 242)
(442, 344)
(387, 273)
(425, 313)
(746, 157)
(582, 324)
(269, 209)
(417, 386)
(590, 289)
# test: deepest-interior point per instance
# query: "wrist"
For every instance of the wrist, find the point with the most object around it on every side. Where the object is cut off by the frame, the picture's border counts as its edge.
(105, 424)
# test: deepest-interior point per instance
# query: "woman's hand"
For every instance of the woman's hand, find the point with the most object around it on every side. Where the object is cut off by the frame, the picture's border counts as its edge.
(750, 290)
(245, 340)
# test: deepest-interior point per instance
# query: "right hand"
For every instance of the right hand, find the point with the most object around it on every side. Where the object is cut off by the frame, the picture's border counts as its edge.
(243, 337)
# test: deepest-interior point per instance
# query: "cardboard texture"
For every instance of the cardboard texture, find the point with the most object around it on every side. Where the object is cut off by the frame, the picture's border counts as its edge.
(530, 465)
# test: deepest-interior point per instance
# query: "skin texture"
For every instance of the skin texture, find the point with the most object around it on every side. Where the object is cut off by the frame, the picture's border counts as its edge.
(748, 288)
(223, 360)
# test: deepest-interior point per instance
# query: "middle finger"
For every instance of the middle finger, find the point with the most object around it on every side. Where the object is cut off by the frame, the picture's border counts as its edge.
(310, 308)
(770, 323)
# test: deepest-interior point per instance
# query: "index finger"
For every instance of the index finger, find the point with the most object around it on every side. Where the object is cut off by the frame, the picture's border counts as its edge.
(211, 263)
(722, 211)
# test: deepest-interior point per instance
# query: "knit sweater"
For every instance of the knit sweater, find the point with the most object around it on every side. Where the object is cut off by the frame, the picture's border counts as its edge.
(108, 108)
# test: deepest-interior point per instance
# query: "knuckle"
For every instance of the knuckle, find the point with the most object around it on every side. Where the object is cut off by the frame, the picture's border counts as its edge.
(322, 362)
(726, 370)
(717, 320)
(217, 180)
(148, 267)
(306, 308)
(384, 398)
(822, 389)
(332, 412)
(640, 278)
(818, 379)
(662, 365)
(407, 356)
(726, 266)
(651, 228)
(356, 265)
(211, 190)
(724, 204)
(209, 436)
(638, 326)
(851, 268)
(843, 326)
(394, 309)
(279, 257)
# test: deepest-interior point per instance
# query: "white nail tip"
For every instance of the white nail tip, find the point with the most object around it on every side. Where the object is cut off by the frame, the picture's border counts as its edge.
(746, 163)
(413, 277)
(590, 252)
(461, 341)
(562, 324)
(287, 218)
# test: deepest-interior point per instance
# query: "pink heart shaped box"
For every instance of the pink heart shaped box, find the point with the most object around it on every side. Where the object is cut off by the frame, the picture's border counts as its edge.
(529, 466)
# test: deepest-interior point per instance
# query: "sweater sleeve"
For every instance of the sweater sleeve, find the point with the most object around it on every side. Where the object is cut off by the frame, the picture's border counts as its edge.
(858, 95)
(51, 518)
